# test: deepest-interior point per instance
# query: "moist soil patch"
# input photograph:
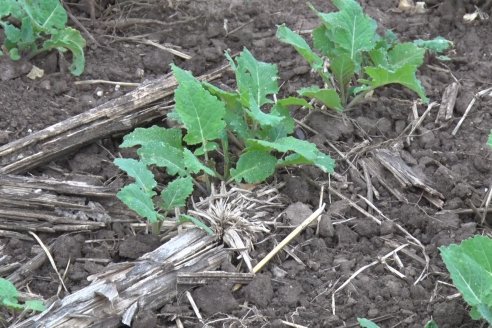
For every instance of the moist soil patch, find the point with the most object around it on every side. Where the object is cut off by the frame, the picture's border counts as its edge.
(297, 286)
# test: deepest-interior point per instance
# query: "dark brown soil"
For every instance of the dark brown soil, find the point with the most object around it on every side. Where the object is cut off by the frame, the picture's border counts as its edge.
(298, 291)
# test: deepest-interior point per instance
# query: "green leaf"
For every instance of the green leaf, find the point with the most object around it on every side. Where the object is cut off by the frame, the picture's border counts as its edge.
(301, 147)
(194, 165)
(489, 140)
(293, 159)
(286, 35)
(470, 266)
(343, 69)
(431, 324)
(13, 304)
(366, 323)
(163, 155)
(259, 116)
(139, 171)
(199, 224)
(230, 99)
(208, 147)
(328, 97)
(202, 113)
(254, 166)
(437, 45)
(14, 54)
(35, 305)
(71, 39)
(282, 129)
(405, 54)
(235, 120)
(139, 201)
(176, 193)
(47, 15)
(255, 79)
(350, 28)
(404, 76)
(485, 312)
(144, 136)
(8, 290)
(10, 7)
(294, 101)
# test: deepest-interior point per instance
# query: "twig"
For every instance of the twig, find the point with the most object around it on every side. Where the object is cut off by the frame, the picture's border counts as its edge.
(289, 238)
(170, 50)
(421, 119)
(291, 324)
(193, 305)
(360, 270)
(123, 84)
(354, 205)
(50, 258)
(470, 105)
(80, 25)
(487, 203)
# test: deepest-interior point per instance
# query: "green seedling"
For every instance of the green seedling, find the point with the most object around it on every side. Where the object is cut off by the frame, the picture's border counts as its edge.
(247, 129)
(35, 26)
(353, 59)
(9, 298)
(470, 266)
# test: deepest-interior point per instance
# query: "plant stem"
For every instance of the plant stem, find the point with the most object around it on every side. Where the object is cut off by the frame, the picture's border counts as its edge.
(207, 162)
(357, 99)
(227, 160)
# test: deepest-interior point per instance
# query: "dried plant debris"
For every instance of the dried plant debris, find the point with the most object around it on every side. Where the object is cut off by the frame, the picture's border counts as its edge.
(238, 216)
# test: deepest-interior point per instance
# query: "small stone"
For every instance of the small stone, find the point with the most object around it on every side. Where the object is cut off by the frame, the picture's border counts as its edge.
(326, 228)
(260, 290)
(214, 298)
(298, 212)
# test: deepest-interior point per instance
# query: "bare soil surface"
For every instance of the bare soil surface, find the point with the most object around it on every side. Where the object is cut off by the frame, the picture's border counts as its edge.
(295, 287)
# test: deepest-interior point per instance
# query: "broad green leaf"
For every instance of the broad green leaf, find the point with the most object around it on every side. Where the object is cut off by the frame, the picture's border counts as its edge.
(139, 171)
(47, 15)
(10, 7)
(13, 304)
(194, 165)
(201, 113)
(350, 28)
(163, 155)
(301, 147)
(14, 54)
(293, 159)
(366, 323)
(35, 305)
(230, 99)
(139, 201)
(379, 57)
(431, 324)
(470, 266)
(405, 54)
(259, 116)
(437, 45)
(208, 147)
(255, 78)
(176, 193)
(286, 35)
(143, 136)
(282, 129)
(294, 101)
(489, 140)
(12, 33)
(8, 290)
(404, 76)
(328, 97)
(235, 120)
(485, 311)
(71, 39)
(254, 166)
(343, 69)
(199, 224)
(322, 42)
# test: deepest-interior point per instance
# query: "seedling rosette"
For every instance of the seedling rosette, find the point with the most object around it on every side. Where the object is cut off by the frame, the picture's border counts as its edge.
(353, 59)
(35, 26)
(470, 266)
(246, 129)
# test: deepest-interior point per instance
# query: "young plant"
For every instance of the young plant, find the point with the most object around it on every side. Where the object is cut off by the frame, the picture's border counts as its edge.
(354, 58)
(35, 26)
(366, 323)
(470, 266)
(231, 126)
(9, 298)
